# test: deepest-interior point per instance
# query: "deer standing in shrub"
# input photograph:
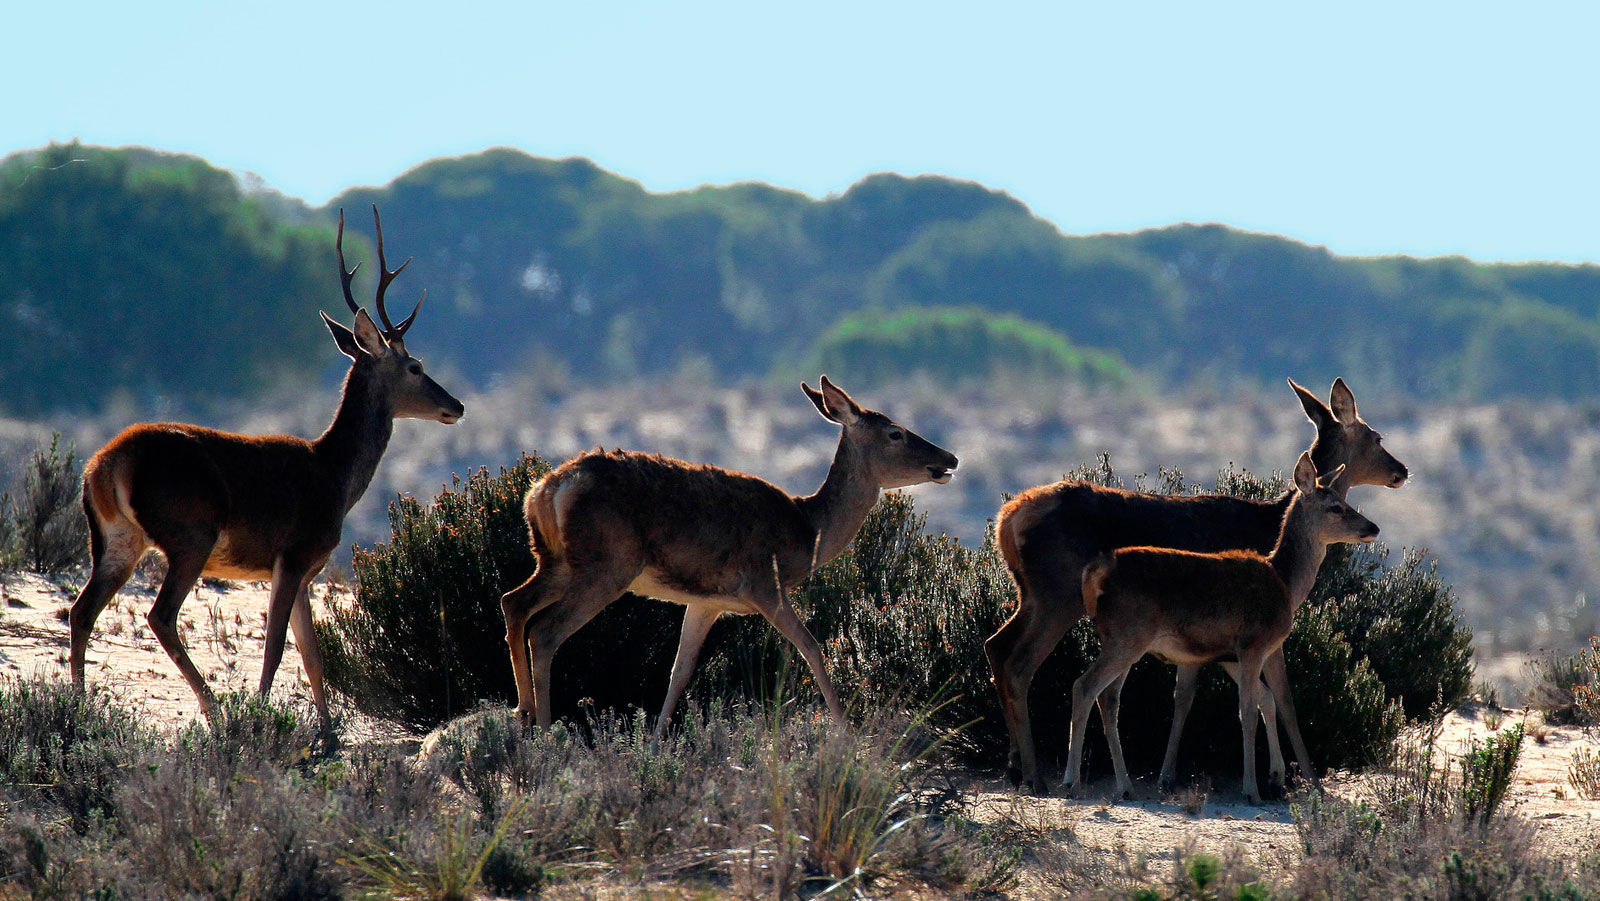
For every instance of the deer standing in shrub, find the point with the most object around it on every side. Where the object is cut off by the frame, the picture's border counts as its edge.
(1047, 535)
(713, 540)
(1190, 609)
(247, 507)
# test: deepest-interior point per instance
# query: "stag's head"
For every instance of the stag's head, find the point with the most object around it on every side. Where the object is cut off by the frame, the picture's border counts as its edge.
(890, 454)
(1344, 439)
(382, 353)
(1333, 519)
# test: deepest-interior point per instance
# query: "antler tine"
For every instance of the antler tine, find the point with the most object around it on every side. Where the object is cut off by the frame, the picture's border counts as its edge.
(344, 276)
(400, 329)
(386, 276)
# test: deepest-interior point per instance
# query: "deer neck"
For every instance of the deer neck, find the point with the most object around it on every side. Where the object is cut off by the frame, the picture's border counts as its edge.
(1298, 554)
(841, 505)
(359, 434)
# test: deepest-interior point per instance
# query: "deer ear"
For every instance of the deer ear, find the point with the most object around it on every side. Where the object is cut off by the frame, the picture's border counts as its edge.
(817, 401)
(343, 337)
(1316, 410)
(368, 336)
(1305, 473)
(1328, 480)
(845, 410)
(1342, 401)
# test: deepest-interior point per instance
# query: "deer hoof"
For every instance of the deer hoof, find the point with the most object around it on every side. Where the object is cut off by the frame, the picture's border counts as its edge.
(1014, 774)
(1252, 798)
(1274, 790)
(1167, 785)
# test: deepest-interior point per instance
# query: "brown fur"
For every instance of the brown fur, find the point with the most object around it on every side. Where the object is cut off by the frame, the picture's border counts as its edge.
(714, 540)
(1048, 534)
(246, 507)
(1193, 608)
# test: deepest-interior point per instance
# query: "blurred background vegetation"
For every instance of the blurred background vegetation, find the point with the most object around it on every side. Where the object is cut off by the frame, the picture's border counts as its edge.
(114, 262)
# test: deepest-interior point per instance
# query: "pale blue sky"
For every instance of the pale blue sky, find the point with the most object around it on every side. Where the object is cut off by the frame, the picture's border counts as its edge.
(1372, 128)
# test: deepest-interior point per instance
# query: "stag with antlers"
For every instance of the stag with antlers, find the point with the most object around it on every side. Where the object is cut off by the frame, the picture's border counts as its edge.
(252, 507)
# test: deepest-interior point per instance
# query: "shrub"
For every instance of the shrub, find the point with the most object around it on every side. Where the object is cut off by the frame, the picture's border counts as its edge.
(1556, 685)
(51, 533)
(70, 748)
(1486, 771)
(424, 639)
(1587, 696)
(761, 797)
(1584, 773)
(1414, 832)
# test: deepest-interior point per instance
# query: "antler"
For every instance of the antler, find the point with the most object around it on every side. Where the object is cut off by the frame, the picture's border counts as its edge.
(345, 277)
(385, 277)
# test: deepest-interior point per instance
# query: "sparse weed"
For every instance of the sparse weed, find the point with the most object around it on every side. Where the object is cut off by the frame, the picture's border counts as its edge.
(1555, 684)
(1486, 771)
(1584, 773)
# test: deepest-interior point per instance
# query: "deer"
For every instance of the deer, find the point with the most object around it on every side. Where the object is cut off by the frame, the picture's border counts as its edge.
(1191, 608)
(252, 508)
(711, 539)
(1048, 534)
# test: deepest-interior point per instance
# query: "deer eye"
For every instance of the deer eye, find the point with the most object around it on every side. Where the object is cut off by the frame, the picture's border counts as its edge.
(897, 436)
(414, 369)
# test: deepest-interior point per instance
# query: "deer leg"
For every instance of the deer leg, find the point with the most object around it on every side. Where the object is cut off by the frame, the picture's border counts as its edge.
(116, 552)
(183, 570)
(305, 640)
(1250, 663)
(775, 607)
(1111, 665)
(555, 623)
(692, 636)
(289, 581)
(1015, 653)
(1277, 673)
(1110, 704)
(1269, 718)
(1182, 700)
(546, 586)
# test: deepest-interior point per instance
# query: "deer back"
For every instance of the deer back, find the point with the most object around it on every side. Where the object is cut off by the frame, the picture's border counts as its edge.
(700, 527)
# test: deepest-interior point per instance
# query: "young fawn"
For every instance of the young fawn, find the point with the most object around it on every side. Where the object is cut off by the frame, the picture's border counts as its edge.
(713, 540)
(1048, 534)
(1190, 609)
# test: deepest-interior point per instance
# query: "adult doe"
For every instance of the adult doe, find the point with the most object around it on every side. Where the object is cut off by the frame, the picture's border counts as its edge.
(252, 508)
(1189, 608)
(713, 540)
(1047, 535)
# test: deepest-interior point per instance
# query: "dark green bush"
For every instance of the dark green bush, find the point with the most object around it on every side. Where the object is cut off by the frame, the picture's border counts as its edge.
(424, 639)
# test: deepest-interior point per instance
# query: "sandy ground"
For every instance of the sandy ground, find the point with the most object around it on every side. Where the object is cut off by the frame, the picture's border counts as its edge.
(223, 626)
(1109, 839)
